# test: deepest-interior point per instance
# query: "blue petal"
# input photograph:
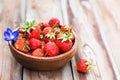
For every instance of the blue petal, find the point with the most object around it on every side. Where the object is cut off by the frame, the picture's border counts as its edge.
(9, 31)
(7, 39)
(15, 34)
(7, 36)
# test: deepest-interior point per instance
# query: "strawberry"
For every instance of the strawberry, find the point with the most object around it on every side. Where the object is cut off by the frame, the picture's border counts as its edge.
(57, 30)
(27, 26)
(43, 25)
(30, 29)
(29, 53)
(50, 37)
(38, 52)
(64, 45)
(84, 65)
(35, 33)
(21, 45)
(58, 36)
(64, 41)
(65, 36)
(54, 22)
(46, 30)
(49, 40)
(34, 43)
(51, 49)
(66, 28)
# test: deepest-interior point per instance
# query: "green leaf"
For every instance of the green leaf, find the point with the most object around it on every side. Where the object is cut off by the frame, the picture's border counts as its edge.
(27, 26)
(34, 23)
(27, 47)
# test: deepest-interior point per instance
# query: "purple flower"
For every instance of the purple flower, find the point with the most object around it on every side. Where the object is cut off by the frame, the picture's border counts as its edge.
(10, 35)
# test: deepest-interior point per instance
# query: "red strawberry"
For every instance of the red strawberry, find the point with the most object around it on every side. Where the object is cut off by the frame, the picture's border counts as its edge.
(38, 52)
(29, 53)
(57, 30)
(54, 22)
(21, 45)
(46, 30)
(35, 33)
(84, 65)
(66, 28)
(34, 43)
(64, 46)
(50, 37)
(51, 49)
(43, 25)
(46, 25)
(58, 36)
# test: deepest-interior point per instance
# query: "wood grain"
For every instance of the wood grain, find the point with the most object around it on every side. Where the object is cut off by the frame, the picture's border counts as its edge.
(43, 10)
(88, 24)
(96, 23)
(10, 16)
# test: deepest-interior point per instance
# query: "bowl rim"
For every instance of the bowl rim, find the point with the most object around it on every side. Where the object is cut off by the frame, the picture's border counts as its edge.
(46, 58)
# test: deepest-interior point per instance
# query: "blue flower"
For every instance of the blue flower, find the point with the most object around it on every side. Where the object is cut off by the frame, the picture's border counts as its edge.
(10, 35)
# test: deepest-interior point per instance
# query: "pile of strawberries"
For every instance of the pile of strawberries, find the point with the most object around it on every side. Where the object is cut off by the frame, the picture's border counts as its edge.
(44, 39)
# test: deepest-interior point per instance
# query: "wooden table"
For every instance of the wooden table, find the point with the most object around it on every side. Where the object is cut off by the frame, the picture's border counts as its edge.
(96, 22)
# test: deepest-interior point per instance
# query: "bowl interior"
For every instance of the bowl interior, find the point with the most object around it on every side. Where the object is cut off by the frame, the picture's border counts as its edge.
(62, 55)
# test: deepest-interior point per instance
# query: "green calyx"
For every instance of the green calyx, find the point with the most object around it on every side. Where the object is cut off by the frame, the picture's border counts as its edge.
(27, 26)
(66, 36)
(26, 45)
(50, 35)
(57, 30)
(68, 27)
(90, 64)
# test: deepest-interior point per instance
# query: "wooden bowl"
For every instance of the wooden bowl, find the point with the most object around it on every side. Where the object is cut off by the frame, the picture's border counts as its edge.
(43, 63)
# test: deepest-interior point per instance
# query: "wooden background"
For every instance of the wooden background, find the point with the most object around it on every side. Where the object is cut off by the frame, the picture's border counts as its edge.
(96, 23)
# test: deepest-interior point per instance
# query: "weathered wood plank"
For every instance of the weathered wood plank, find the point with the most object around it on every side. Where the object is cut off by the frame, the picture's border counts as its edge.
(10, 16)
(88, 25)
(111, 29)
(43, 10)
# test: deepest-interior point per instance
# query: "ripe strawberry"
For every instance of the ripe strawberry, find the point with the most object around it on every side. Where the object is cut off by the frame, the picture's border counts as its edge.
(64, 45)
(84, 65)
(38, 52)
(65, 36)
(57, 30)
(54, 22)
(66, 28)
(34, 43)
(29, 53)
(49, 40)
(50, 37)
(43, 25)
(51, 49)
(58, 36)
(35, 33)
(46, 30)
(21, 45)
